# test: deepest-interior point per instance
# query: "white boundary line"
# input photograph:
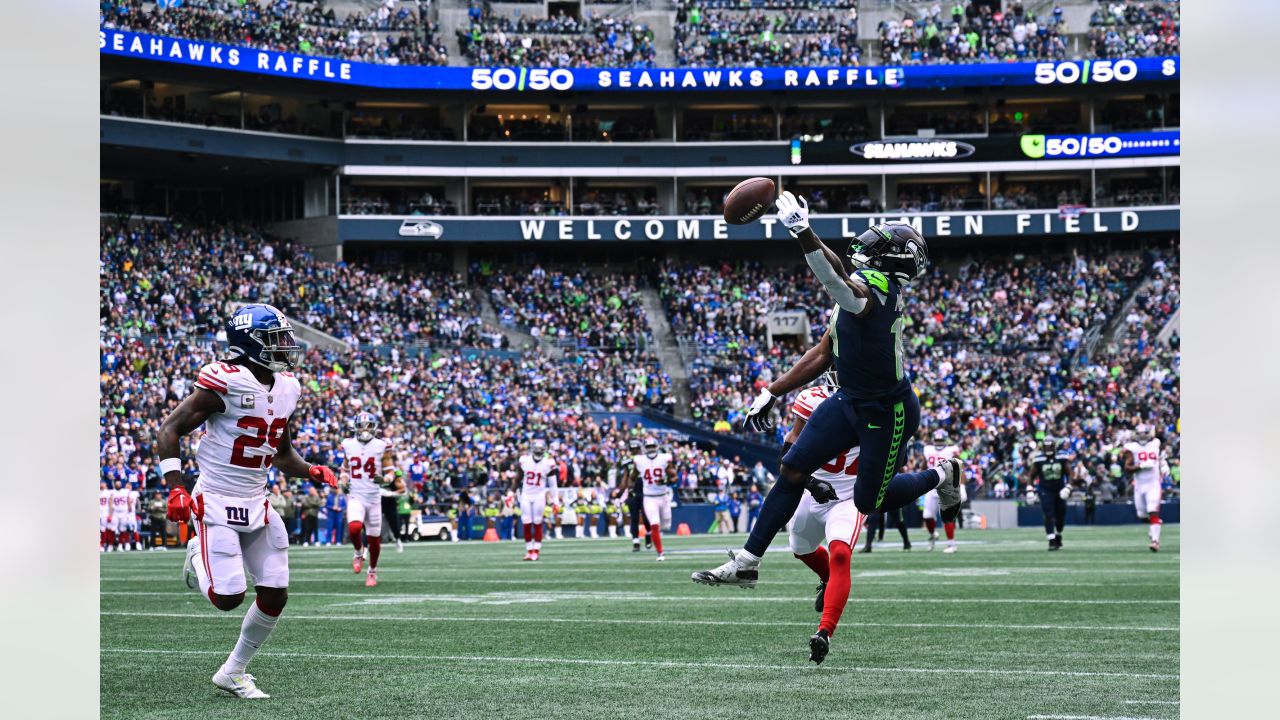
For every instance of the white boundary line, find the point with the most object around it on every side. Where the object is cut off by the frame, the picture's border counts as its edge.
(643, 621)
(533, 661)
(1152, 702)
(392, 577)
(617, 597)
(1088, 717)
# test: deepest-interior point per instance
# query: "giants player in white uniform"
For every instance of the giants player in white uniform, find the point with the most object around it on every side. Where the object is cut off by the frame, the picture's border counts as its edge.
(120, 515)
(106, 529)
(131, 517)
(838, 523)
(369, 458)
(245, 405)
(538, 481)
(941, 450)
(651, 470)
(1142, 459)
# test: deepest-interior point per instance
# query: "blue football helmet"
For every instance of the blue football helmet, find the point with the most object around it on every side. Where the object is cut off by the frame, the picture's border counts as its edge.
(365, 425)
(263, 334)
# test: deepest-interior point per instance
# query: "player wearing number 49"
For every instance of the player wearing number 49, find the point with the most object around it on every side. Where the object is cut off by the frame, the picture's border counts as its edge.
(370, 460)
(875, 407)
(245, 405)
(651, 470)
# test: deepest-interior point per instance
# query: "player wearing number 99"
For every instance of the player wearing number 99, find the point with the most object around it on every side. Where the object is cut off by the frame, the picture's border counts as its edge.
(371, 461)
(875, 407)
(245, 404)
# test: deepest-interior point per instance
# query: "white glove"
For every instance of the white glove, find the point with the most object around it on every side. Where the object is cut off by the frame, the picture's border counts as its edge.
(758, 417)
(793, 212)
(1065, 492)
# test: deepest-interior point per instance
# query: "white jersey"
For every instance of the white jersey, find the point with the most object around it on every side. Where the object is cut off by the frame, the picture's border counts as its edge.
(1147, 457)
(120, 501)
(842, 470)
(934, 454)
(240, 443)
(538, 475)
(133, 496)
(104, 502)
(653, 472)
(364, 463)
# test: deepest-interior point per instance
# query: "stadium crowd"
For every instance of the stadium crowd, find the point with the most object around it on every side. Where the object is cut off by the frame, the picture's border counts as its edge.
(556, 41)
(706, 37)
(1005, 351)
(398, 32)
(972, 33)
(1119, 29)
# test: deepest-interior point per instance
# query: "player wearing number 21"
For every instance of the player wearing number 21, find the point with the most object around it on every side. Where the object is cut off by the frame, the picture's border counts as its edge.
(245, 405)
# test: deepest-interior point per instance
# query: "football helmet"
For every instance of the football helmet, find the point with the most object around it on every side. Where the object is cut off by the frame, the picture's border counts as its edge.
(263, 334)
(365, 426)
(651, 448)
(940, 436)
(634, 446)
(1144, 432)
(538, 448)
(893, 248)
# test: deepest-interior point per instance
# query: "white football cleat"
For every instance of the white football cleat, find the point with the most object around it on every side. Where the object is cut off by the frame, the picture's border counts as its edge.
(241, 685)
(371, 580)
(102, 548)
(949, 497)
(734, 572)
(662, 558)
(399, 545)
(951, 550)
(357, 563)
(189, 564)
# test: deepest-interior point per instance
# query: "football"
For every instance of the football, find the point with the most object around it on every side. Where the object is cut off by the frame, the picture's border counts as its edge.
(748, 200)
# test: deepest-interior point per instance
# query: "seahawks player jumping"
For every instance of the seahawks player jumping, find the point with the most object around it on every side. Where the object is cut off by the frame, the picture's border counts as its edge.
(875, 407)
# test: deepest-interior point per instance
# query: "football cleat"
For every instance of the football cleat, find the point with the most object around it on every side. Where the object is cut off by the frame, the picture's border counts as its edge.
(648, 544)
(536, 554)
(1155, 546)
(933, 540)
(865, 549)
(371, 580)
(399, 545)
(635, 546)
(950, 550)
(906, 546)
(949, 489)
(189, 564)
(819, 646)
(730, 573)
(241, 685)
(821, 600)
(662, 558)
(528, 555)
(102, 548)
(357, 563)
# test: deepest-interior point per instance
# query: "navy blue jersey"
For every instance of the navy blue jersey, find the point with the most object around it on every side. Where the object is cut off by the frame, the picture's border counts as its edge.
(1051, 469)
(868, 349)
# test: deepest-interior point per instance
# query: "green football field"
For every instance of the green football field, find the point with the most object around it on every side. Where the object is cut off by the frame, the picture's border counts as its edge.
(1002, 629)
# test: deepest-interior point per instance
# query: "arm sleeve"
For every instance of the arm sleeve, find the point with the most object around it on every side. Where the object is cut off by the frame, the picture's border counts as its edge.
(835, 285)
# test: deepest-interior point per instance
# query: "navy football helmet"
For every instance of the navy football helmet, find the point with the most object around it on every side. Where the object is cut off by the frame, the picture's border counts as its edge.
(263, 334)
(893, 248)
(365, 426)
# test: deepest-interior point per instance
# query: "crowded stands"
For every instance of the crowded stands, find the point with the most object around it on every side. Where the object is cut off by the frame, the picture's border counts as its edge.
(557, 41)
(707, 37)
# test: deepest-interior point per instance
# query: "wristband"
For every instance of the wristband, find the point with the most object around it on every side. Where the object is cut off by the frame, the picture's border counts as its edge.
(168, 465)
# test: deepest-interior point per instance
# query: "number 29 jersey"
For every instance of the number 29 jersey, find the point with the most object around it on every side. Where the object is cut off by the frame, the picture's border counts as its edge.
(240, 443)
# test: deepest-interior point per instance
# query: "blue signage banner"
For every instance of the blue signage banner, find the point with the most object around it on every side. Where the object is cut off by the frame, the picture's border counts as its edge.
(934, 226)
(1070, 147)
(522, 79)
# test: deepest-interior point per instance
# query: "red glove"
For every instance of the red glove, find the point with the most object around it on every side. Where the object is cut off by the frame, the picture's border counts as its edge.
(320, 473)
(180, 505)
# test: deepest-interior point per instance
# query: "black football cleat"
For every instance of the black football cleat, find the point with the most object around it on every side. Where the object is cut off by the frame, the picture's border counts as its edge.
(906, 546)
(821, 600)
(865, 549)
(635, 546)
(819, 646)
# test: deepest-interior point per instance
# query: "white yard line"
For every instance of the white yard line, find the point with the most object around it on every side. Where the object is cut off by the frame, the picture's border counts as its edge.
(1089, 717)
(399, 576)
(1152, 702)
(544, 660)
(538, 619)
(615, 597)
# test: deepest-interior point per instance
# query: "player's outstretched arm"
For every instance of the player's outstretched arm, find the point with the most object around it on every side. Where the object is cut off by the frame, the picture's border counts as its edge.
(815, 361)
(849, 292)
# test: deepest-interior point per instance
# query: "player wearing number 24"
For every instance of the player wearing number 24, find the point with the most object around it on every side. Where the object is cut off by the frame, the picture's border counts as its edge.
(245, 404)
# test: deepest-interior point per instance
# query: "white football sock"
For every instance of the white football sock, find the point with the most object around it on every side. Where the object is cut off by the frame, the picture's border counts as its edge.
(254, 631)
(1155, 532)
(745, 558)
